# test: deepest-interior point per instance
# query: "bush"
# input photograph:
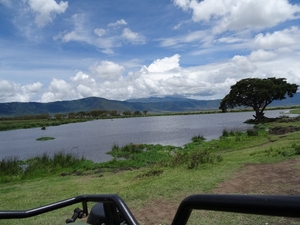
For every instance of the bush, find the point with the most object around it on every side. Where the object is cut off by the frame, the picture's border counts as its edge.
(252, 132)
(198, 138)
(10, 166)
(126, 150)
(47, 165)
(192, 159)
(225, 133)
(296, 148)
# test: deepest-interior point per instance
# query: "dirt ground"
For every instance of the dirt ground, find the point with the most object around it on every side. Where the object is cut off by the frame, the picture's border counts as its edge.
(280, 178)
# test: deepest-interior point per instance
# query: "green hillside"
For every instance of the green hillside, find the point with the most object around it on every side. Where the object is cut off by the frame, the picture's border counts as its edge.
(160, 105)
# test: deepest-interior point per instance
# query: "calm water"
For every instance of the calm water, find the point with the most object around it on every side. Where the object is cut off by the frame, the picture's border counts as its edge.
(93, 139)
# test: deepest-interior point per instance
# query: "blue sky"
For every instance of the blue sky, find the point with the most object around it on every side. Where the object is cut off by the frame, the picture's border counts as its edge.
(123, 49)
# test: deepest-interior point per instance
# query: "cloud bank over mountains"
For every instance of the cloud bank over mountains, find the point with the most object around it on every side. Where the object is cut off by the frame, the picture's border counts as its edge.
(198, 50)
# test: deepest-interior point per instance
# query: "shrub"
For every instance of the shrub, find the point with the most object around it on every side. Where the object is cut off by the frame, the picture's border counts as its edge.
(238, 136)
(279, 152)
(192, 159)
(115, 148)
(296, 148)
(252, 132)
(45, 164)
(10, 166)
(126, 150)
(225, 133)
(198, 138)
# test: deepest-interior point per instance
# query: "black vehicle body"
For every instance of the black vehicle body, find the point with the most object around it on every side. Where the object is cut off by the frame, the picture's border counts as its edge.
(111, 209)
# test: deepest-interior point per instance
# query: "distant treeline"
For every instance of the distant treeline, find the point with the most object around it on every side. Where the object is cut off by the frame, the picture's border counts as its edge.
(94, 114)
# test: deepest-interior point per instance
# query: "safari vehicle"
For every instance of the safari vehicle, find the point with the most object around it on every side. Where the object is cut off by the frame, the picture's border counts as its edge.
(110, 209)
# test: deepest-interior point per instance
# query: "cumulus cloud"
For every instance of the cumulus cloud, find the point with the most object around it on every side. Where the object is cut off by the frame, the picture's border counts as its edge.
(162, 77)
(11, 92)
(46, 10)
(278, 39)
(33, 88)
(80, 76)
(236, 15)
(165, 64)
(261, 55)
(107, 70)
(243, 64)
(58, 90)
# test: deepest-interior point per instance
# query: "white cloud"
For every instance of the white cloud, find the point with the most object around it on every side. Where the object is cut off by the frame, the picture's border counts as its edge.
(85, 91)
(83, 33)
(229, 40)
(12, 92)
(80, 76)
(243, 64)
(163, 77)
(261, 55)
(184, 4)
(80, 33)
(165, 64)
(58, 90)
(236, 15)
(202, 37)
(46, 10)
(117, 23)
(100, 32)
(8, 90)
(278, 39)
(103, 39)
(33, 88)
(107, 70)
(133, 37)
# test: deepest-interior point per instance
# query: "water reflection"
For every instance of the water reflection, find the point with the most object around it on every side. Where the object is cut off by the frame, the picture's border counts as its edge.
(94, 138)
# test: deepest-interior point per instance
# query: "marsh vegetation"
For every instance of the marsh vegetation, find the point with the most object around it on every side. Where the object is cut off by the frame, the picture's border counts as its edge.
(157, 177)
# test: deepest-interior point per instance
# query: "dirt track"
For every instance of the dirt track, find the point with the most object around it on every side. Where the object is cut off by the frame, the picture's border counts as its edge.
(280, 178)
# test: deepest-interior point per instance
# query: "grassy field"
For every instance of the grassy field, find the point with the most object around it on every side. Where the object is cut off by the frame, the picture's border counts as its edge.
(141, 187)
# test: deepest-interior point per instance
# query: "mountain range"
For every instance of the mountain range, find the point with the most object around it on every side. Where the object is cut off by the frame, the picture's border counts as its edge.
(153, 104)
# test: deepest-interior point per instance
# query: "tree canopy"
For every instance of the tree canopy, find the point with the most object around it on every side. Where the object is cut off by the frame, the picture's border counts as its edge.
(257, 93)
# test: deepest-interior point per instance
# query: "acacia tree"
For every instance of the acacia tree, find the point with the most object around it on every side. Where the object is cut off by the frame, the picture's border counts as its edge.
(257, 93)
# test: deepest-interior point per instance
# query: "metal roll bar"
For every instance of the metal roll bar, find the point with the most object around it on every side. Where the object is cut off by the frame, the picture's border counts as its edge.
(107, 199)
(286, 206)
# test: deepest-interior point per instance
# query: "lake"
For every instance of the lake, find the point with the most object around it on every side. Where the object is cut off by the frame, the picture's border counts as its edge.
(94, 138)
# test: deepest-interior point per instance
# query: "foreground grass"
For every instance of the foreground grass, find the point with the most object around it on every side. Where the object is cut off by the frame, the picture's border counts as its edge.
(171, 185)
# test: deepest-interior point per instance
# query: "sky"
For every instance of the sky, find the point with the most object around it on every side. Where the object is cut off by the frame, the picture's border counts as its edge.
(54, 50)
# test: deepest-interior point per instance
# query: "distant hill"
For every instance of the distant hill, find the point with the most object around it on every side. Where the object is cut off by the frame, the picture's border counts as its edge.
(153, 104)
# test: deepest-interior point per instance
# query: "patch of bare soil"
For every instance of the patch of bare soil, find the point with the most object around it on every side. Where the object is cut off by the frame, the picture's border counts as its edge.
(284, 130)
(277, 179)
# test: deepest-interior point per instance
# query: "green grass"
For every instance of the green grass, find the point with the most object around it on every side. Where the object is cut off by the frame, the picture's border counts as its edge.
(45, 138)
(12, 124)
(151, 172)
(12, 169)
(295, 111)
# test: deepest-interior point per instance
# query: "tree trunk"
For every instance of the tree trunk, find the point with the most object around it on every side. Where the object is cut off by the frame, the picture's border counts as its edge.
(260, 115)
